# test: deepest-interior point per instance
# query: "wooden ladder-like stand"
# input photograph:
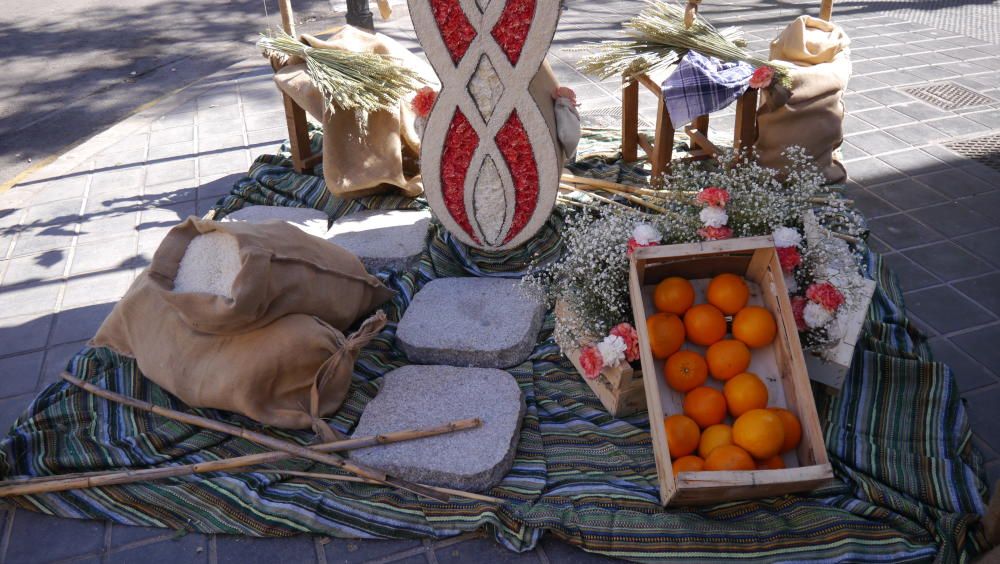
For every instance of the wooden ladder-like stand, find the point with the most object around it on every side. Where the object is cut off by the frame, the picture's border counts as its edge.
(303, 160)
(660, 150)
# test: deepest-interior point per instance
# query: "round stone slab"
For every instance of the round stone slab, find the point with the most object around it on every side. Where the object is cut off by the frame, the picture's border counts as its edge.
(485, 322)
(383, 239)
(312, 221)
(414, 397)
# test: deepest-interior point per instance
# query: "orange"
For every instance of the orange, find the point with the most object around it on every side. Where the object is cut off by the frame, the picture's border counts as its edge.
(727, 358)
(666, 334)
(773, 463)
(714, 436)
(705, 405)
(793, 429)
(704, 324)
(754, 326)
(744, 392)
(729, 457)
(673, 295)
(728, 292)
(689, 463)
(759, 431)
(682, 435)
(685, 370)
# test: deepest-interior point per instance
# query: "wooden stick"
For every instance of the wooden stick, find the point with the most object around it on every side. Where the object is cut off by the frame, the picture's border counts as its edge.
(625, 195)
(339, 478)
(83, 480)
(259, 438)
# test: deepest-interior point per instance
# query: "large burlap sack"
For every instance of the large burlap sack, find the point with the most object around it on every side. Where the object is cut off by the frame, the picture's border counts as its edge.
(288, 374)
(283, 270)
(818, 55)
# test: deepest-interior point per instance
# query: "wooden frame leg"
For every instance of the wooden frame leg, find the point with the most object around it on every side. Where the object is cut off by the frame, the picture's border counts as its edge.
(298, 135)
(663, 145)
(745, 130)
(630, 121)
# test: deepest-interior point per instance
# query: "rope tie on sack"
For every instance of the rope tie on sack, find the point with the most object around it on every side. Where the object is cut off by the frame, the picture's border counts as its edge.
(344, 346)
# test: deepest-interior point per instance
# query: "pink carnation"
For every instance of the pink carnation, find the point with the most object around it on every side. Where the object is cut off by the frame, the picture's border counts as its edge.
(713, 196)
(825, 295)
(789, 258)
(798, 310)
(423, 102)
(715, 233)
(762, 77)
(591, 361)
(633, 245)
(631, 338)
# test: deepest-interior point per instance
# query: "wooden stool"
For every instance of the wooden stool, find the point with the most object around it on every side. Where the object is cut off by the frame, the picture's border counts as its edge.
(303, 160)
(661, 150)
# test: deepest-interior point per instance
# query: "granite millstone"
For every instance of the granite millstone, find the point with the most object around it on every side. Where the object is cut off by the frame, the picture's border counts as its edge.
(312, 221)
(419, 396)
(383, 239)
(484, 322)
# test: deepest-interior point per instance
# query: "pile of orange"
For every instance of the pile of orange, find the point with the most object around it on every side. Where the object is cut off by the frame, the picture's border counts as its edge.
(700, 439)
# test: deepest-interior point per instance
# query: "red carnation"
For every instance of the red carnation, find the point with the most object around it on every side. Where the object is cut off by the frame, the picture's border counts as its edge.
(762, 77)
(789, 258)
(591, 361)
(423, 102)
(633, 245)
(825, 295)
(798, 310)
(631, 338)
(715, 233)
(713, 196)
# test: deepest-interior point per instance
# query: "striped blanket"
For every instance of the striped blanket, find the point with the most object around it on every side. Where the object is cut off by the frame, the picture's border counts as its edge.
(910, 485)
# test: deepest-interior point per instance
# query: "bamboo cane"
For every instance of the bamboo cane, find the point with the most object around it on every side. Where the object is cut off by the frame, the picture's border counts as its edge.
(47, 484)
(355, 479)
(625, 195)
(259, 438)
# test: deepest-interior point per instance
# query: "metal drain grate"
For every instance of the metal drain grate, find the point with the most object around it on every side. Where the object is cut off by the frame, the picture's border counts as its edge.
(984, 150)
(609, 117)
(948, 95)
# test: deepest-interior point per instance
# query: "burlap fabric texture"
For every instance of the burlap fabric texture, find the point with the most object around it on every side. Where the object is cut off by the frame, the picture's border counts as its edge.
(818, 55)
(275, 350)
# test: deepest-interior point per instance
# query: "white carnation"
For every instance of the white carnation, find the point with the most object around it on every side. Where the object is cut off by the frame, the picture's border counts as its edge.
(612, 350)
(786, 237)
(713, 216)
(644, 234)
(791, 284)
(816, 315)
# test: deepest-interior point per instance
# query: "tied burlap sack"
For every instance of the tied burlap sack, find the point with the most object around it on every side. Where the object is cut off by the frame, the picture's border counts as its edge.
(362, 157)
(283, 270)
(288, 374)
(818, 55)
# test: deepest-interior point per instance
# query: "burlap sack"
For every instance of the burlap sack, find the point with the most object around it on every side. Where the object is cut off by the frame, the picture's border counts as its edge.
(284, 270)
(288, 374)
(384, 153)
(362, 159)
(818, 55)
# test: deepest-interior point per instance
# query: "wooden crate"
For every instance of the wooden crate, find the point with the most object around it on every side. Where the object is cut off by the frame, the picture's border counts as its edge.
(619, 388)
(781, 367)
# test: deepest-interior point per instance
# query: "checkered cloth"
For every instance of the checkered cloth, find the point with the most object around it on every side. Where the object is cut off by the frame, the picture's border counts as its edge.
(702, 85)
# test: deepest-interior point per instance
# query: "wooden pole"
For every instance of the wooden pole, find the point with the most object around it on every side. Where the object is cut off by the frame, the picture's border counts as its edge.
(48, 484)
(259, 438)
(826, 10)
(287, 16)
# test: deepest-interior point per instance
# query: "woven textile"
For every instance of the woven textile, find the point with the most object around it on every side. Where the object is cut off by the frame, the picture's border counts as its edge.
(909, 481)
(701, 85)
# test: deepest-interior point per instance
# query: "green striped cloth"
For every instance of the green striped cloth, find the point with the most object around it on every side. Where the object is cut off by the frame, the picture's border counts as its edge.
(910, 484)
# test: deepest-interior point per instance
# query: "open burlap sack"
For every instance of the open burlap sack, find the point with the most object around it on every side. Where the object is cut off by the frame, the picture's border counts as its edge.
(283, 270)
(818, 55)
(384, 153)
(288, 374)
